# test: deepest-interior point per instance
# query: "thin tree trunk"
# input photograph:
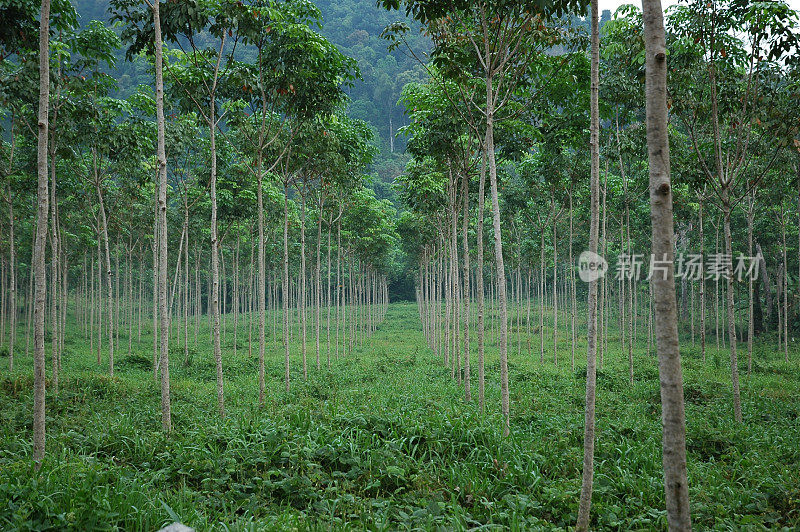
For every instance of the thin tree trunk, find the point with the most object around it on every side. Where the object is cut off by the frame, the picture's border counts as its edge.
(572, 295)
(702, 285)
(584, 505)
(215, 332)
(99, 293)
(251, 289)
(329, 298)
(186, 282)
(286, 282)
(632, 280)
(41, 237)
(198, 301)
(118, 297)
(778, 306)
(13, 281)
(602, 303)
(785, 293)
(339, 316)
(737, 406)
(235, 301)
(479, 290)
(750, 321)
(30, 300)
(156, 266)
(318, 281)
(141, 296)
(109, 288)
(528, 296)
(542, 300)
(91, 308)
(669, 366)
(261, 286)
(498, 252)
(555, 293)
(54, 246)
(716, 287)
(166, 418)
(301, 289)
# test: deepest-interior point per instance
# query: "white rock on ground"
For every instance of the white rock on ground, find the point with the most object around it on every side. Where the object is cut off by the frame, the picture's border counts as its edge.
(176, 527)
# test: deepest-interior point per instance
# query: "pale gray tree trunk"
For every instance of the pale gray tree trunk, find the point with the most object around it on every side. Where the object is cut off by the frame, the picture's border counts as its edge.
(156, 265)
(13, 281)
(186, 281)
(726, 209)
(666, 323)
(448, 299)
(215, 317)
(542, 301)
(235, 301)
(261, 287)
(764, 275)
(99, 293)
(572, 295)
(778, 296)
(466, 295)
(41, 237)
(750, 324)
(498, 257)
(118, 295)
(339, 294)
(602, 303)
(141, 297)
(91, 306)
(329, 298)
(702, 290)
(54, 247)
(286, 283)
(109, 286)
(301, 289)
(631, 309)
(30, 303)
(318, 281)
(555, 291)
(250, 295)
(585, 503)
(166, 416)
(479, 290)
(716, 286)
(785, 281)
(528, 296)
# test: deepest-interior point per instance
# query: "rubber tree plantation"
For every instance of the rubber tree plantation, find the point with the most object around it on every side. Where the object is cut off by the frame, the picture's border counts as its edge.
(399, 265)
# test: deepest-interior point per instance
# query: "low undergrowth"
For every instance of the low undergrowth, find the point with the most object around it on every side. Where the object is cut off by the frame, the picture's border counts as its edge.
(384, 440)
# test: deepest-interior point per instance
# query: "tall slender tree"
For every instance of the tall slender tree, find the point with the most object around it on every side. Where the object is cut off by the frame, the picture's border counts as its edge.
(591, 349)
(40, 289)
(663, 281)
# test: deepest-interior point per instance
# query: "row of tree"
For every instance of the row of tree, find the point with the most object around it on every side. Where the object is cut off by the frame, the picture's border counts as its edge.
(722, 120)
(236, 188)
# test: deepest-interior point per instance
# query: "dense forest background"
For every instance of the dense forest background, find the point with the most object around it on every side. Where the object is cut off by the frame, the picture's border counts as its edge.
(355, 27)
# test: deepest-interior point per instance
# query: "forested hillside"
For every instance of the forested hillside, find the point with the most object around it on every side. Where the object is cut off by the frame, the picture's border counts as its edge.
(355, 27)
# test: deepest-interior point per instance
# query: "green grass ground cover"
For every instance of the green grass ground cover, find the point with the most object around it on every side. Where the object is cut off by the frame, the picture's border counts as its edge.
(384, 440)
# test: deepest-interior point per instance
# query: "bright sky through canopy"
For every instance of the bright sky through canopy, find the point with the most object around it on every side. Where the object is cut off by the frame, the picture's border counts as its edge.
(612, 5)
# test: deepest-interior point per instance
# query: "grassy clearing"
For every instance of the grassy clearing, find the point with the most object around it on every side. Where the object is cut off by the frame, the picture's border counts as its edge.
(384, 440)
